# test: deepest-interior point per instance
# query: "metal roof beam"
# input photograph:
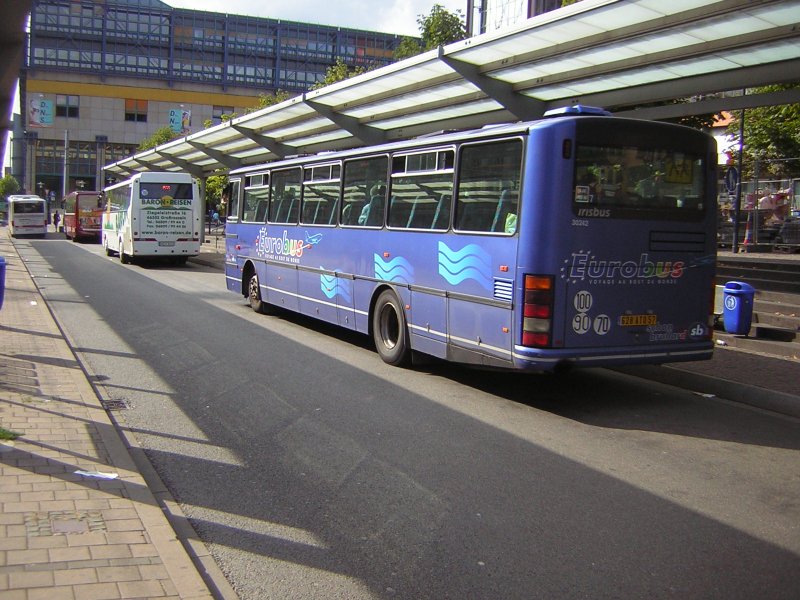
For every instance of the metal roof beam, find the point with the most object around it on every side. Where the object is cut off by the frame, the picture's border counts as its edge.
(277, 148)
(522, 107)
(222, 158)
(365, 133)
(735, 79)
(714, 105)
(193, 170)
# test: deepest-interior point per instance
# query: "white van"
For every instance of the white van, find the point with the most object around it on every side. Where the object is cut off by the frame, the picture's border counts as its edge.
(155, 215)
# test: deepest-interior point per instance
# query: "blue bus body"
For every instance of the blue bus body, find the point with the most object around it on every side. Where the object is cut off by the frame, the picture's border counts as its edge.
(600, 251)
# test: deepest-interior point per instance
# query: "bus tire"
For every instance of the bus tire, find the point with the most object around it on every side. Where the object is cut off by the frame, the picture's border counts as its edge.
(389, 330)
(254, 295)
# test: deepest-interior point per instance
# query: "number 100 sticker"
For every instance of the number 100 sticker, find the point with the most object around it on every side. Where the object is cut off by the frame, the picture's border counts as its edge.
(582, 322)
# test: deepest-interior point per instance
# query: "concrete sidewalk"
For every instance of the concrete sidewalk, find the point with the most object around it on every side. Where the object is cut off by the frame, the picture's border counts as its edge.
(77, 519)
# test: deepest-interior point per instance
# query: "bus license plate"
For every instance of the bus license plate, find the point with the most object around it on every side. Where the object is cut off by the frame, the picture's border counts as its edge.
(638, 320)
(166, 243)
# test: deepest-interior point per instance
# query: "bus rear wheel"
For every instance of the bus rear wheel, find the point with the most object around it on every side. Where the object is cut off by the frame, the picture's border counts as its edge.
(389, 330)
(254, 295)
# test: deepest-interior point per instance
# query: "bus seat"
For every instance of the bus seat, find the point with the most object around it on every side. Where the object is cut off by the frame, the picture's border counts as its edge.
(374, 211)
(261, 211)
(444, 200)
(505, 205)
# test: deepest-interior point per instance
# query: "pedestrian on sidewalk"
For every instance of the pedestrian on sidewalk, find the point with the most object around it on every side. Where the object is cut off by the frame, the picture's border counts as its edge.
(56, 220)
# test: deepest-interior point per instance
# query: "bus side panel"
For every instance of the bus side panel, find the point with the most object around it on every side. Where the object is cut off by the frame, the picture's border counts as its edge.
(317, 294)
(478, 273)
(281, 282)
(428, 322)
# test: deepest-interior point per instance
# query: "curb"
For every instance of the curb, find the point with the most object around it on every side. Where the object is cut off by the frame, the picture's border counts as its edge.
(757, 397)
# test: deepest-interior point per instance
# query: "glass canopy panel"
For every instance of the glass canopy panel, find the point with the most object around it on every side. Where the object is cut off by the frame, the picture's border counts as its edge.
(481, 106)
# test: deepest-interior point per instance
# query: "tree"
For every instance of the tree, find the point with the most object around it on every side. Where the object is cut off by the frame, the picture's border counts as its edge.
(160, 136)
(8, 186)
(407, 48)
(214, 186)
(441, 27)
(438, 28)
(771, 137)
(338, 72)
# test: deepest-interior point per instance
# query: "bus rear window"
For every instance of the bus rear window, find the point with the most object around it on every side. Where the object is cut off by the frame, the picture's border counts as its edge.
(630, 182)
(29, 208)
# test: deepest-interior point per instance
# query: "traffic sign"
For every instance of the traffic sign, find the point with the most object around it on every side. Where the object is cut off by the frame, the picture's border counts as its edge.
(731, 179)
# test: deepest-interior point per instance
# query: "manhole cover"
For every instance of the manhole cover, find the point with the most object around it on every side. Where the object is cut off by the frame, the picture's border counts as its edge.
(69, 526)
(115, 404)
(64, 522)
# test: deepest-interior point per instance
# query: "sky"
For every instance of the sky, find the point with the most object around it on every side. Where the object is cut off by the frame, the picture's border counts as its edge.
(389, 16)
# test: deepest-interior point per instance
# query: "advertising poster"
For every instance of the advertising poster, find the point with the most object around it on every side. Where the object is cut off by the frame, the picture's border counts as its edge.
(40, 113)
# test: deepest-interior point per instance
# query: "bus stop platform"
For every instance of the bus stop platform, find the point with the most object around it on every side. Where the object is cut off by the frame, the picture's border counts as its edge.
(77, 517)
(82, 514)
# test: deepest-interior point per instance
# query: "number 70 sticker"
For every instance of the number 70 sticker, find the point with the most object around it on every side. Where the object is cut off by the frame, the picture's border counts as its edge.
(583, 321)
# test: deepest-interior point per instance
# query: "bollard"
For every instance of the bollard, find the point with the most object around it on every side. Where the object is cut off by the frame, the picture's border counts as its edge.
(2, 280)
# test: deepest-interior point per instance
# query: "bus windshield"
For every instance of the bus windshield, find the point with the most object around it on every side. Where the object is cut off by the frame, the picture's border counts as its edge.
(632, 182)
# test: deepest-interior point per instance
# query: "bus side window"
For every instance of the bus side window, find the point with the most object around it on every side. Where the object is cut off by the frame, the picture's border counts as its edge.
(488, 187)
(364, 191)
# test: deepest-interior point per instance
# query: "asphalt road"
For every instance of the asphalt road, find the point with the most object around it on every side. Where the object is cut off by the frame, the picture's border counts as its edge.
(312, 470)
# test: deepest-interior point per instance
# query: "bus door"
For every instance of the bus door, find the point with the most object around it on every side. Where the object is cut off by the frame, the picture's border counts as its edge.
(231, 203)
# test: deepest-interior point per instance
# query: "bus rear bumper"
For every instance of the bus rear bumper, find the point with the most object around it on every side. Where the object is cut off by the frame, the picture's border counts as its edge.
(552, 359)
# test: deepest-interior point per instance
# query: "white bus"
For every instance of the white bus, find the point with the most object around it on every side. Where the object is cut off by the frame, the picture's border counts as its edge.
(27, 215)
(154, 215)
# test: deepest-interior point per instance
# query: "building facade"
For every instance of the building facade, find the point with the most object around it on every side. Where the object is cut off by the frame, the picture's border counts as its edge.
(100, 76)
(484, 16)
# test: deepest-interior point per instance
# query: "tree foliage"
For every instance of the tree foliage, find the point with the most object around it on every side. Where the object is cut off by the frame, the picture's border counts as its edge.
(407, 48)
(214, 186)
(438, 28)
(338, 72)
(771, 136)
(8, 186)
(162, 135)
(264, 100)
(441, 27)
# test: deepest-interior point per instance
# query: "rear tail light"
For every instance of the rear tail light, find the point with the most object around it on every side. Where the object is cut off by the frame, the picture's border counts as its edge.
(537, 311)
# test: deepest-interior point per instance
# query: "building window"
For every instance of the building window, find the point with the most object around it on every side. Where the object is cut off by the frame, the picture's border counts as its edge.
(67, 106)
(218, 112)
(136, 110)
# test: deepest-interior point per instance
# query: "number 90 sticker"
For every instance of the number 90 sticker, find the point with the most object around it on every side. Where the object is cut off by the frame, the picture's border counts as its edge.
(582, 322)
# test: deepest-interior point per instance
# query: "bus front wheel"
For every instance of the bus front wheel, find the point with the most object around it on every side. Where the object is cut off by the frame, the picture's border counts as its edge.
(389, 330)
(254, 295)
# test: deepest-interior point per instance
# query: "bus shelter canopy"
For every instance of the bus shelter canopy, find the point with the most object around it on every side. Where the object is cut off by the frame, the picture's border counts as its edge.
(617, 54)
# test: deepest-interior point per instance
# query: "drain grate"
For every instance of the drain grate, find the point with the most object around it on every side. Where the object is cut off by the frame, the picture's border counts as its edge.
(115, 404)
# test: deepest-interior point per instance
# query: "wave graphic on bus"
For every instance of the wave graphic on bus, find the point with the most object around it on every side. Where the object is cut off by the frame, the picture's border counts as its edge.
(333, 286)
(471, 262)
(398, 269)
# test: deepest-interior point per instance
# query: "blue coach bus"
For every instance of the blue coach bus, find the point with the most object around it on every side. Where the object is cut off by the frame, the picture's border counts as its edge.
(577, 239)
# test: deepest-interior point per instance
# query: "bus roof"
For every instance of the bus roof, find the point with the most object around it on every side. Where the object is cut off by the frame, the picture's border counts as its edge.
(25, 197)
(156, 176)
(444, 137)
